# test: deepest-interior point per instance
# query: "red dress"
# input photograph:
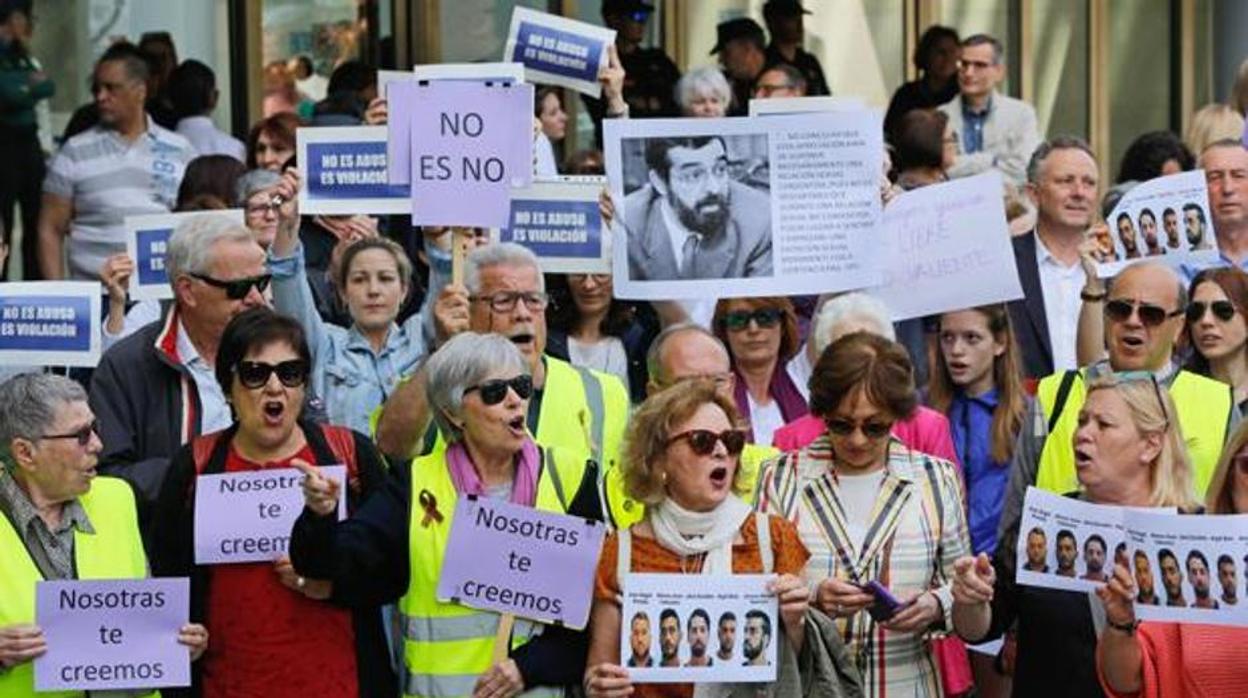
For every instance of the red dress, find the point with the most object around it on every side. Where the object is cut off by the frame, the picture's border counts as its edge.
(267, 640)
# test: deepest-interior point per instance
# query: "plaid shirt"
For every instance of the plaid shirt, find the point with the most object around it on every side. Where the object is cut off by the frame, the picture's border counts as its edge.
(916, 530)
(52, 551)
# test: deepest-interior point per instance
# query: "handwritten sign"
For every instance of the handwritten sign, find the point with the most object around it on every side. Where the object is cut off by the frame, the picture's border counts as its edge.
(939, 237)
(112, 635)
(247, 517)
(147, 238)
(516, 559)
(558, 51)
(559, 221)
(470, 146)
(50, 323)
(345, 172)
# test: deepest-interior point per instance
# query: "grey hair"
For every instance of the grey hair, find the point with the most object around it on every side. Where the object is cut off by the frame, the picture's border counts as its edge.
(465, 360)
(654, 365)
(998, 51)
(706, 79)
(844, 307)
(28, 406)
(191, 241)
(1180, 286)
(503, 253)
(252, 182)
(1046, 148)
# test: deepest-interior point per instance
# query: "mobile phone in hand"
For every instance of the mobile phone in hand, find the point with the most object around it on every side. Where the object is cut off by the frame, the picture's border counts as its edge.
(886, 605)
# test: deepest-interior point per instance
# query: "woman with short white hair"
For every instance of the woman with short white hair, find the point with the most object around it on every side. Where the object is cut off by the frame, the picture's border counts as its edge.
(704, 93)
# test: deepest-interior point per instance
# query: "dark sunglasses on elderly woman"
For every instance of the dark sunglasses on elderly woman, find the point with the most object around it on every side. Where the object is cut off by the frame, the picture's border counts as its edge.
(493, 392)
(702, 441)
(255, 374)
(871, 430)
(1222, 310)
(740, 319)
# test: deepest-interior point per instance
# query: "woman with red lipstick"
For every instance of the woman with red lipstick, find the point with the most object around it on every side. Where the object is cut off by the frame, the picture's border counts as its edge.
(1217, 330)
(871, 510)
(275, 632)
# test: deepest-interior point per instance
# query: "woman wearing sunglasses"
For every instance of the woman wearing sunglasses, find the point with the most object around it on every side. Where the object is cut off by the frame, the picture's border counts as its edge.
(761, 336)
(682, 462)
(1217, 330)
(871, 510)
(1129, 451)
(393, 548)
(275, 632)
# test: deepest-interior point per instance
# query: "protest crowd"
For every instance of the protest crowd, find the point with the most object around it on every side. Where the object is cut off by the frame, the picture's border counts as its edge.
(868, 469)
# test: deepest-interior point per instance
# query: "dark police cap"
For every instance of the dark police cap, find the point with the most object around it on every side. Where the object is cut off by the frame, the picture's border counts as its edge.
(784, 8)
(739, 28)
(623, 7)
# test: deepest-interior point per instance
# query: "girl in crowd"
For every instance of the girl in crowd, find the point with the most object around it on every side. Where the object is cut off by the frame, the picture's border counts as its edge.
(273, 631)
(761, 336)
(478, 391)
(870, 509)
(1129, 452)
(548, 109)
(1217, 330)
(1155, 659)
(682, 461)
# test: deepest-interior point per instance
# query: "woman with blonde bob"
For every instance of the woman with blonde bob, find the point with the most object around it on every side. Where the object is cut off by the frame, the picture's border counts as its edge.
(681, 460)
(1129, 451)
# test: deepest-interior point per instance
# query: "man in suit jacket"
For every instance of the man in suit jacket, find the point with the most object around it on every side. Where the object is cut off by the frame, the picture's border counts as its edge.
(992, 130)
(692, 221)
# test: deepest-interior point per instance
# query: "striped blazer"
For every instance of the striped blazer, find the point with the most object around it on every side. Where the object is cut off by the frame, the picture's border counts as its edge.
(917, 529)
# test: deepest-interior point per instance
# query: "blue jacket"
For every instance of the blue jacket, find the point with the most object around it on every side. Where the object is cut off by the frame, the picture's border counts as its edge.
(970, 424)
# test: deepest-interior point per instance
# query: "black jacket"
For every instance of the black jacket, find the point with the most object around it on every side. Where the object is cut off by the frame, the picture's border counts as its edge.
(173, 545)
(1031, 327)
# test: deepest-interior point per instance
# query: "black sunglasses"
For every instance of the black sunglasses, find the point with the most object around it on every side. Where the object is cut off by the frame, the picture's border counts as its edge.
(740, 319)
(702, 441)
(493, 392)
(255, 374)
(1222, 310)
(1120, 310)
(83, 435)
(237, 289)
(871, 430)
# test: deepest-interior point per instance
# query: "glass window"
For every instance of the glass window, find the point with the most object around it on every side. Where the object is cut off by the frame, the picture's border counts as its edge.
(474, 31)
(1059, 63)
(1139, 74)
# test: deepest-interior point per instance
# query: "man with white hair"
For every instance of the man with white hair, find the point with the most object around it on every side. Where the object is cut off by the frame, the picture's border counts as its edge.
(572, 407)
(155, 389)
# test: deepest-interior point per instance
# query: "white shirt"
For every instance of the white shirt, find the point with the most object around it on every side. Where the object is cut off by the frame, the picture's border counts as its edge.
(1061, 286)
(858, 494)
(216, 411)
(606, 355)
(765, 420)
(208, 140)
(544, 164)
(139, 315)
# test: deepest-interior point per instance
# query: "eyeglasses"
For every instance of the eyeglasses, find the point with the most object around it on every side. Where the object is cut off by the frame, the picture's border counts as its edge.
(975, 65)
(738, 320)
(492, 392)
(1222, 310)
(255, 374)
(273, 207)
(846, 427)
(1120, 310)
(702, 441)
(697, 176)
(82, 436)
(237, 289)
(719, 379)
(505, 301)
(1128, 376)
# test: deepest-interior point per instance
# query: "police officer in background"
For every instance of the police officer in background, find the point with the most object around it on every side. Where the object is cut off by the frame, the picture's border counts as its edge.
(650, 76)
(784, 25)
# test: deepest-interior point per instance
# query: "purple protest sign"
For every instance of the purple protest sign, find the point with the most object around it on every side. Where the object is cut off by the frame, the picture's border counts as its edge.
(247, 517)
(471, 143)
(399, 96)
(515, 559)
(112, 634)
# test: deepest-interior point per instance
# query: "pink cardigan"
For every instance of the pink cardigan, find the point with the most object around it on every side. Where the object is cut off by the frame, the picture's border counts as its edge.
(926, 431)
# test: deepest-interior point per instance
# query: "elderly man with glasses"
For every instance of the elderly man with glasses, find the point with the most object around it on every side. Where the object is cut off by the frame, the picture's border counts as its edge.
(155, 389)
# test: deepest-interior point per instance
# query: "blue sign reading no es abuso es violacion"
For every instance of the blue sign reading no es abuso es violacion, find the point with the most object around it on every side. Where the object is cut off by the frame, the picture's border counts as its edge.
(150, 249)
(45, 323)
(351, 170)
(554, 229)
(558, 52)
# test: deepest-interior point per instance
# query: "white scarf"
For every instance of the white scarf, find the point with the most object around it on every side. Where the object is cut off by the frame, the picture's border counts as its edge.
(695, 532)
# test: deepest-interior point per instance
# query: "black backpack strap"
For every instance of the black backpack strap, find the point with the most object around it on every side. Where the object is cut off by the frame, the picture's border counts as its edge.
(1063, 393)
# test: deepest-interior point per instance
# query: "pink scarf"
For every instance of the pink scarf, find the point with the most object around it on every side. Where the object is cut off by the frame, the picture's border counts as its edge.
(467, 481)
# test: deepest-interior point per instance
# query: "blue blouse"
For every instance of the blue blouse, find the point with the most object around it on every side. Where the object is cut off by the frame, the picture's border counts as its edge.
(970, 424)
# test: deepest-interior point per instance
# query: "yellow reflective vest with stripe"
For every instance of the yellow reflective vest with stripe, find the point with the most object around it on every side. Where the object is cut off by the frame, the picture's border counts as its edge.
(622, 511)
(447, 646)
(114, 551)
(1203, 405)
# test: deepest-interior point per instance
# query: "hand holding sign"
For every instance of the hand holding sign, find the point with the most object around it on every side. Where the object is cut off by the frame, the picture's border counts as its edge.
(320, 493)
(1119, 597)
(195, 637)
(794, 597)
(611, 77)
(607, 681)
(503, 680)
(20, 643)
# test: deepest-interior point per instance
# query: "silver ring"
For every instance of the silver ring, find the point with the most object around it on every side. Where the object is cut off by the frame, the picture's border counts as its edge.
(301, 583)
(837, 611)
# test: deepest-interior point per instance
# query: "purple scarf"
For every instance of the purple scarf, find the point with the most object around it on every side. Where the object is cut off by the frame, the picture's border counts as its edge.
(467, 481)
(782, 390)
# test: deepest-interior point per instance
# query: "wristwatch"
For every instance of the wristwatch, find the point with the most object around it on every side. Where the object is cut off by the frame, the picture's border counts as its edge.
(1090, 297)
(1128, 628)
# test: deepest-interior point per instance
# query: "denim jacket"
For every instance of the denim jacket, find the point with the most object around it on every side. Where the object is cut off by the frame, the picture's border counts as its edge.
(347, 376)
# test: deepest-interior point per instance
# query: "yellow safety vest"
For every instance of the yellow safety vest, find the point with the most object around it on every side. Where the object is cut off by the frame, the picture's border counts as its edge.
(1203, 405)
(114, 551)
(623, 511)
(447, 646)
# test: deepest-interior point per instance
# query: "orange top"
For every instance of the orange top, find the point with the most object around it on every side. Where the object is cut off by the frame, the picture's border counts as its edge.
(649, 556)
(1188, 659)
